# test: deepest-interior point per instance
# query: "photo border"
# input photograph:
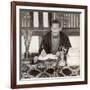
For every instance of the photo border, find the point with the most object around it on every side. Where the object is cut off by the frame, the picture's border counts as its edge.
(13, 44)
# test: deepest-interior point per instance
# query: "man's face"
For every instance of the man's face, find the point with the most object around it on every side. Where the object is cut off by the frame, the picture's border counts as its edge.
(55, 28)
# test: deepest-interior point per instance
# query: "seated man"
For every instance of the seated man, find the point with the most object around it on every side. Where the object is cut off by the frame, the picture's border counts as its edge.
(54, 41)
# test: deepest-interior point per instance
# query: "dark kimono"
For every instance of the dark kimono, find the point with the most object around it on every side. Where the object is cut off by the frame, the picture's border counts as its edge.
(47, 41)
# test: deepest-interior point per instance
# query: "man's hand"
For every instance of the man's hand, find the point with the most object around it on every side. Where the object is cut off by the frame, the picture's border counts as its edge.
(35, 59)
(57, 53)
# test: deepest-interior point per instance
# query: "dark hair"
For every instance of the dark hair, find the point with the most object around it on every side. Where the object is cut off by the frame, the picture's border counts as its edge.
(56, 22)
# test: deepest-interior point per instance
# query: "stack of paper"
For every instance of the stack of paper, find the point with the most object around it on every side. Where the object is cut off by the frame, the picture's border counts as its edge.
(48, 56)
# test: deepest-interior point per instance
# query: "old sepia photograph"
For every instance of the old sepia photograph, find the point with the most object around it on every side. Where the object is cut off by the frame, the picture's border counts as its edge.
(50, 45)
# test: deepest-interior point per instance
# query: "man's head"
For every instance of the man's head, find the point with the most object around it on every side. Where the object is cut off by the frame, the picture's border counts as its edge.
(55, 27)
